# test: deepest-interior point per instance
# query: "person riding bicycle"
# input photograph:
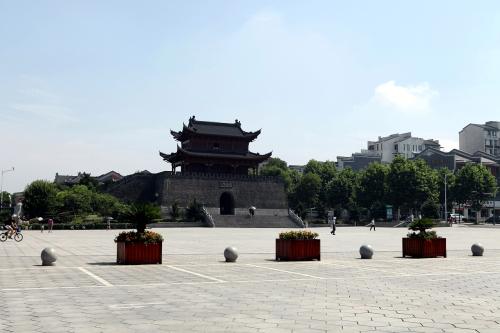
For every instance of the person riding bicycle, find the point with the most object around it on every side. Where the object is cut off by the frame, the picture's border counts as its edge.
(11, 226)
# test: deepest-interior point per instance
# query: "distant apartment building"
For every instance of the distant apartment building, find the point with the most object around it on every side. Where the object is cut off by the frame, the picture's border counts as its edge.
(400, 144)
(478, 137)
(358, 161)
(298, 168)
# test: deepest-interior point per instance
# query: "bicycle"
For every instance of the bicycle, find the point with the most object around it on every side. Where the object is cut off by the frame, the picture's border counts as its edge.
(18, 236)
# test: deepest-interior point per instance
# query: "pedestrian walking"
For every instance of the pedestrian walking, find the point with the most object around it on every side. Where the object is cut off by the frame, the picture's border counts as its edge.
(50, 224)
(372, 225)
(334, 228)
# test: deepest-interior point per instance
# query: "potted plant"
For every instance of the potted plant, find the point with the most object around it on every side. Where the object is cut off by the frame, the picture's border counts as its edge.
(141, 246)
(298, 245)
(422, 243)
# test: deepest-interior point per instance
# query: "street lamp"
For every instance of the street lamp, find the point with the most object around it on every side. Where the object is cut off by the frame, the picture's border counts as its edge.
(1, 185)
(445, 203)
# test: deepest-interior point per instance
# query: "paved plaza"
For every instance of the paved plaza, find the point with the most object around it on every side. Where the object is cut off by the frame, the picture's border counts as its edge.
(196, 291)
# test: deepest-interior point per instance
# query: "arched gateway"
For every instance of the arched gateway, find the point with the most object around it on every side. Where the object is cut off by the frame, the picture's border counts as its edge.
(226, 204)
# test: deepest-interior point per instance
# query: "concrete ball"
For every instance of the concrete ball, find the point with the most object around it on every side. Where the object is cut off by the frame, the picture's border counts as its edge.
(49, 256)
(231, 254)
(477, 249)
(366, 251)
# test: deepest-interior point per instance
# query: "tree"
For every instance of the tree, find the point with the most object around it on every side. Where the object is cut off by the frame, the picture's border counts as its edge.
(278, 168)
(325, 170)
(307, 190)
(430, 209)
(40, 198)
(411, 183)
(6, 199)
(372, 188)
(426, 182)
(77, 200)
(475, 183)
(341, 189)
(88, 181)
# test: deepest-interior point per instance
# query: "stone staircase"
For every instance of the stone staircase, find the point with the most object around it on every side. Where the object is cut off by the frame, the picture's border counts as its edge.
(245, 221)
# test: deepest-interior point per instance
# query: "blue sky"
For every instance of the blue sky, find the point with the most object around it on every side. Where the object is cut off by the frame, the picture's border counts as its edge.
(97, 85)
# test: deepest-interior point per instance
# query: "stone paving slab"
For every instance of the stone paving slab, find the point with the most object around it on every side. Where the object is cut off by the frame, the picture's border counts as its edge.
(195, 291)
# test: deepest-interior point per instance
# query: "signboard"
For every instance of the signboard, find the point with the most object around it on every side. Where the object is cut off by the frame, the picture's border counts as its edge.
(225, 184)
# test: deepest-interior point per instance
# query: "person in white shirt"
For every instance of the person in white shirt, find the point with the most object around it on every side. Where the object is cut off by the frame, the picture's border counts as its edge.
(372, 225)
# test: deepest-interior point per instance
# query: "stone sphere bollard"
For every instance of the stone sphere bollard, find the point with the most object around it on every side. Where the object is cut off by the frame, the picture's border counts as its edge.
(231, 254)
(477, 249)
(49, 256)
(366, 251)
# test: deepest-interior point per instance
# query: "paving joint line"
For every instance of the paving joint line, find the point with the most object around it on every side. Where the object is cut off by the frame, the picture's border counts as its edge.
(286, 271)
(194, 273)
(95, 277)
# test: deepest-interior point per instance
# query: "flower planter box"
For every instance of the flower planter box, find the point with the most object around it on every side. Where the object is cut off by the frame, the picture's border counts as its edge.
(298, 249)
(138, 253)
(424, 248)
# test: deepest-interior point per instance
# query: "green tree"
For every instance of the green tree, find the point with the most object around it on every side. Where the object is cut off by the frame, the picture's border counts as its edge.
(6, 199)
(278, 168)
(426, 181)
(88, 181)
(372, 189)
(341, 189)
(307, 190)
(76, 200)
(474, 183)
(40, 198)
(411, 183)
(325, 170)
(107, 205)
(430, 209)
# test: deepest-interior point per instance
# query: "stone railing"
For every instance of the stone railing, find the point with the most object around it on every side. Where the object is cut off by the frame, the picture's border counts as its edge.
(295, 218)
(209, 220)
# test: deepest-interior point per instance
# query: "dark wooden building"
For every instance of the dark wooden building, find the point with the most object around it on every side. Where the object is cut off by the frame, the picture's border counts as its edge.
(212, 147)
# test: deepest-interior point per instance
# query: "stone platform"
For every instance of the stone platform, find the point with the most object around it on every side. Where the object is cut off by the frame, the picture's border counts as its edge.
(195, 290)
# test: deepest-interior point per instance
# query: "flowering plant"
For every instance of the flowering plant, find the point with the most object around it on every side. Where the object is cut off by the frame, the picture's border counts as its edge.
(298, 234)
(147, 237)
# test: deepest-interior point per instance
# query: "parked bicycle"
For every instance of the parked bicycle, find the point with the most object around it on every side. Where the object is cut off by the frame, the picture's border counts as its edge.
(17, 236)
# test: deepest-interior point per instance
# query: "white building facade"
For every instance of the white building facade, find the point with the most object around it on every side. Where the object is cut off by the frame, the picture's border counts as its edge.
(400, 144)
(479, 137)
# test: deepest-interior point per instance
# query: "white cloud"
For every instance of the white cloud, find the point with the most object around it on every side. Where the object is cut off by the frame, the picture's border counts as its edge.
(45, 111)
(415, 98)
(448, 144)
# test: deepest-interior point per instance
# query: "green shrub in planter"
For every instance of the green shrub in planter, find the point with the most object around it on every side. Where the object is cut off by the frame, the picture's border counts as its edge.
(298, 234)
(421, 226)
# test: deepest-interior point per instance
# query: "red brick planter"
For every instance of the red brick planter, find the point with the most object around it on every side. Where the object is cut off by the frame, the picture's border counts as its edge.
(298, 249)
(138, 253)
(424, 248)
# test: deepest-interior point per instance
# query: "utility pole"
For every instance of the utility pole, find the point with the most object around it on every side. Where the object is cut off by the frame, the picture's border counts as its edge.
(445, 203)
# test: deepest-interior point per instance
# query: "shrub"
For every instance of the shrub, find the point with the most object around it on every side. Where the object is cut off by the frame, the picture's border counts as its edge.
(141, 214)
(194, 211)
(300, 234)
(148, 237)
(175, 212)
(421, 226)
(430, 209)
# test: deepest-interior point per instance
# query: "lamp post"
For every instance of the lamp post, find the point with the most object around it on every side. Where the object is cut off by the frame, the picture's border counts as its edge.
(1, 185)
(445, 203)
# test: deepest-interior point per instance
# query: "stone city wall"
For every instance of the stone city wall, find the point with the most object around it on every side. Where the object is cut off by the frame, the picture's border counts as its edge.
(261, 192)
